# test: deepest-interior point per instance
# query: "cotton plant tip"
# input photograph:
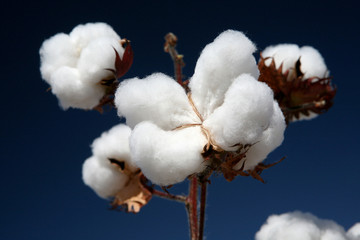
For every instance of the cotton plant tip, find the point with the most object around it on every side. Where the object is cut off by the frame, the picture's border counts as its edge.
(156, 98)
(114, 144)
(227, 57)
(89, 51)
(271, 138)
(300, 226)
(167, 157)
(105, 179)
(244, 115)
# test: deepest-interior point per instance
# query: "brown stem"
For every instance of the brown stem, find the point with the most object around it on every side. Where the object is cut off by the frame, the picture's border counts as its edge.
(169, 196)
(169, 47)
(202, 209)
(191, 208)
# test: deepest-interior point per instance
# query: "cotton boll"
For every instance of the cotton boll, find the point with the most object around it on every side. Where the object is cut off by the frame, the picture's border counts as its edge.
(244, 115)
(354, 232)
(312, 63)
(299, 226)
(285, 54)
(114, 144)
(221, 61)
(67, 85)
(82, 35)
(271, 138)
(167, 157)
(56, 52)
(102, 177)
(157, 98)
(97, 57)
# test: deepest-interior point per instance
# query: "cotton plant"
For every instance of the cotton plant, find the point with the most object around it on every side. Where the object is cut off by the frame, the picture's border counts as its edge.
(226, 119)
(299, 78)
(304, 226)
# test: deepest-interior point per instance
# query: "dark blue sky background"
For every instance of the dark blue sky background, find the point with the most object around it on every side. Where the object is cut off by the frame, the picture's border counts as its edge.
(42, 148)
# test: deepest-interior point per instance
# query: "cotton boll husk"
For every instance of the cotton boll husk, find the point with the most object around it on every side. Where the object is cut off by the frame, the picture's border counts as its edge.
(271, 138)
(167, 157)
(102, 177)
(114, 144)
(97, 57)
(67, 85)
(299, 226)
(221, 61)
(56, 52)
(244, 115)
(83, 34)
(157, 98)
(285, 54)
(312, 63)
(354, 232)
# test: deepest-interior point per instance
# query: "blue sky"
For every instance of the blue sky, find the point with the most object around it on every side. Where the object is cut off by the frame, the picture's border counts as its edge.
(43, 148)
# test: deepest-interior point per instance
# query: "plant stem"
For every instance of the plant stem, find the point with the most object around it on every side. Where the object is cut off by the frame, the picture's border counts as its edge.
(202, 209)
(169, 196)
(170, 44)
(191, 208)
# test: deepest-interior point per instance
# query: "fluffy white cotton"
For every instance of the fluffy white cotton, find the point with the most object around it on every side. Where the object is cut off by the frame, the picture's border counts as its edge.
(102, 177)
(221, 61)
(167, 157)
(244, 115)
(300, 226)
(312, 63)
(270, 139)
(157, 98)
(354, 232)
(98, 173)
(76, 63)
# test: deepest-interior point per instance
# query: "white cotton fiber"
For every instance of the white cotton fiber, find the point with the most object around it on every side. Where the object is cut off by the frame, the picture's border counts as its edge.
(354, 232)
(98, 172)
(271, 138)
(56, 52)
(312, 63)
(300, 226)
(105, 179)
(67, 85)
(244, 115)
(156, 98)
(167, 157)
(221, 61)
(88, 52)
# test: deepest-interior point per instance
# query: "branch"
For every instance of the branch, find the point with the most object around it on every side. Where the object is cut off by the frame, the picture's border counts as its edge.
(170, 44)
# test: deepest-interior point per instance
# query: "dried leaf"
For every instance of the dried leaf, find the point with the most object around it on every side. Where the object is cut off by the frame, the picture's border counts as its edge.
(295, 94)
(123, 65)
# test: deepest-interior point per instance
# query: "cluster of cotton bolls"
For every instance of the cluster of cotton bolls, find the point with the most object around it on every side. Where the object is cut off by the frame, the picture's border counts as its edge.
(312, 64)
(226, 107)
(105, 178)
(304, 226)
(74, 64)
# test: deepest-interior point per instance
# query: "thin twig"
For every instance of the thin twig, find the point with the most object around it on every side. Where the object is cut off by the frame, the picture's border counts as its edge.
(191, 208)
(170, 44)
(169, 196)
(202, 209)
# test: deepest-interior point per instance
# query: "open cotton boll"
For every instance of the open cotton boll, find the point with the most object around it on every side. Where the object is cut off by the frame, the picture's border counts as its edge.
(67, 85)
(167, 157)
(114, 144)
(221, 61)
(102, 177)
(354, 232)
(83, 34)
(97, 57)
(56, 52)
(299, 226)
(244, 115)
(156, 98)
(271, 138)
